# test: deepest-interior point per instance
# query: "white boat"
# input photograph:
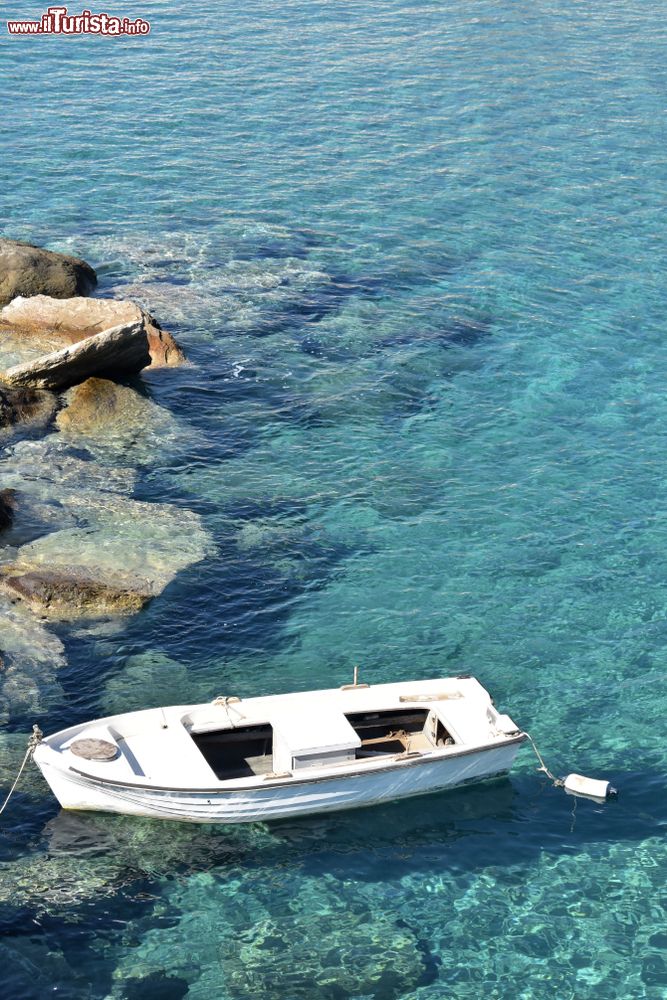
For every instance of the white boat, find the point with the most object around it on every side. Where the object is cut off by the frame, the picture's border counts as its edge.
(233, 760)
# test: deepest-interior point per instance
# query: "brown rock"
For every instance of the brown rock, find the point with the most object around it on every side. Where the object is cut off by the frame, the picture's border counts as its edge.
(25, 405)
(164, 351)
(114, 419)
(99, 406)
(71, 594)
(58, 322)
(29, 270)
(120, 350)
(8, 507)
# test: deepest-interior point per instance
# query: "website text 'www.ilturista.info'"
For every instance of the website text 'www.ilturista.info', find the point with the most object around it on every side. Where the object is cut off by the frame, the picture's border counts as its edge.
(56, 21)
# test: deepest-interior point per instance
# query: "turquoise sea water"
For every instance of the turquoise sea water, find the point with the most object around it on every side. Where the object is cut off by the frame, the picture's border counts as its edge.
(417, 253)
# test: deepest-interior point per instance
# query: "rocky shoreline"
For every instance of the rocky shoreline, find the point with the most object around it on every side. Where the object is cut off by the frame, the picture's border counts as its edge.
(74, 544)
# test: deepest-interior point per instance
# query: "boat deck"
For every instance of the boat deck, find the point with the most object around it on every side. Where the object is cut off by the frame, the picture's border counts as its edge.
(228, 766)
(243, 743)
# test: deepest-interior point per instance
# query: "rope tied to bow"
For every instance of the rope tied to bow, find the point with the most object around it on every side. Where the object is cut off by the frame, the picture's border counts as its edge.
(33, 743)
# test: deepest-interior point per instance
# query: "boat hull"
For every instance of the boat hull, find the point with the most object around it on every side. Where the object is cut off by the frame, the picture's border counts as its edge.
(401, 779)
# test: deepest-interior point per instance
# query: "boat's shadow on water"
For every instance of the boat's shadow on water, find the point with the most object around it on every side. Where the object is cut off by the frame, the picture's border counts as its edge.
(497, 822)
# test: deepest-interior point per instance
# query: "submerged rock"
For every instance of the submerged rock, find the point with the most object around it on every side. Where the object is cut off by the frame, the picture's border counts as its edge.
(56, 884)
(110, 417)
(29, 270)
(48, 482)
(25, 406)
(12, 751)
(34, 968)
(123, 553)
(100, 406)
(135, 686)
(30, 657)
(311, 945)
(120, 350)
(51, 323)
(330, 956)
(157, 986)
(7, 508)
(73, 593)
(85, 857)
(49, 471)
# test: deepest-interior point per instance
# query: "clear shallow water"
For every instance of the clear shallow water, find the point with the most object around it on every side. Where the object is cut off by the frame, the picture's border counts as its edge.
(416, 251)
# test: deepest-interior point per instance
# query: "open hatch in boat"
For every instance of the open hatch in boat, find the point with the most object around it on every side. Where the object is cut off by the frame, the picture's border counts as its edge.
(266, 758)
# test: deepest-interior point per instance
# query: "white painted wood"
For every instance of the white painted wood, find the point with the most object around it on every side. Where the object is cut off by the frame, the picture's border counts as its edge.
(160, 771)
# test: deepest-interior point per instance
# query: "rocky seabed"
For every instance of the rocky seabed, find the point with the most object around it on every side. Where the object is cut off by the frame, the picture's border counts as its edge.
(76, 426)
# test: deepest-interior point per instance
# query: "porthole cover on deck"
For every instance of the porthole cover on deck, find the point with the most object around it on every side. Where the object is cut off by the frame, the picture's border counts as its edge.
(94, 749)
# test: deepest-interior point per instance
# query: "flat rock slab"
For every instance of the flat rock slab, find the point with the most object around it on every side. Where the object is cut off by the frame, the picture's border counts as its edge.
(49, 471)
(72, 593)
(49, 484)
(124, 553)
(120, 350)
(29, 270)
(28, 323)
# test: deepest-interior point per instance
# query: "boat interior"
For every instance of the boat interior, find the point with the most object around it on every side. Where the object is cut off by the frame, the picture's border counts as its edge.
(248, 750)
(239, 752)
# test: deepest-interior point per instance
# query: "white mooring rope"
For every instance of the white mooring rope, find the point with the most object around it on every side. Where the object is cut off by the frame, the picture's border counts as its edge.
(557, 782)
(33, 743)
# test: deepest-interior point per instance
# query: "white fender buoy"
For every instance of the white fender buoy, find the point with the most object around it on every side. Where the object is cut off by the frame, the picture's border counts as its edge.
(589, 788)
(576, 784)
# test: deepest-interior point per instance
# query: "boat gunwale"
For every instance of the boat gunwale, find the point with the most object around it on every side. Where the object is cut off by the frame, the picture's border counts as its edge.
(291, 782)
